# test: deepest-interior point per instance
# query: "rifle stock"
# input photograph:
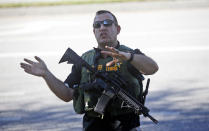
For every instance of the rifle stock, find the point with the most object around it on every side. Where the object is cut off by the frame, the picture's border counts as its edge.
(73, 58)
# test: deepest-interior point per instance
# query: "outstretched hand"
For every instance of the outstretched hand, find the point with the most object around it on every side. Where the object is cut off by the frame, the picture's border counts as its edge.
(116, 54)
(34, 68)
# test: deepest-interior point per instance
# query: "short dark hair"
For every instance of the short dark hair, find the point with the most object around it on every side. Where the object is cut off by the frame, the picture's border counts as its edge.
(106, 11)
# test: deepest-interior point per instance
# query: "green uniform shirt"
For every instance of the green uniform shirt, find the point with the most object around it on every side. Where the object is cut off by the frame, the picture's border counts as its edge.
(85, 101)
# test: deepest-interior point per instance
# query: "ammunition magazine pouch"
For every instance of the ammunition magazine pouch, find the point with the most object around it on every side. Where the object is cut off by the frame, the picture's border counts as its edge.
(103, 101)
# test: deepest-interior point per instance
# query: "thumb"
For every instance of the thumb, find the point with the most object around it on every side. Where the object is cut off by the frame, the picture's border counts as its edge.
(38, 59)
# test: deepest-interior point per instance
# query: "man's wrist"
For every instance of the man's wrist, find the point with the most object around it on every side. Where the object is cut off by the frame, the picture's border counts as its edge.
(46, 74)
(131, 57)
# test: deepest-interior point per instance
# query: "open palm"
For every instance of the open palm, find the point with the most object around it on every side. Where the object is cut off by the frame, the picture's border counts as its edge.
(34, 68)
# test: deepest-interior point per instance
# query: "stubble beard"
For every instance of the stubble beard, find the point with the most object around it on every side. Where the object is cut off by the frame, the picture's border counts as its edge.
(104, 43)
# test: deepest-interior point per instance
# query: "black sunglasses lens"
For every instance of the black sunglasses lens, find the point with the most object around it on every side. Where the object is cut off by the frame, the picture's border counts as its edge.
(96, 25)
(106, 23)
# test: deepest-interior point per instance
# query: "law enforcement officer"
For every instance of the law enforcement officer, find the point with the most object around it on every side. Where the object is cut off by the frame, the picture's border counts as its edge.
(113, 56)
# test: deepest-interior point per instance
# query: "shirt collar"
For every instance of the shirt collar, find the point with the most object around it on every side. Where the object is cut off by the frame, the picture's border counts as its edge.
(118, 45)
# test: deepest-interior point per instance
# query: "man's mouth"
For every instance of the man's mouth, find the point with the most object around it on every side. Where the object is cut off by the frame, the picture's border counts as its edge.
(103, 35)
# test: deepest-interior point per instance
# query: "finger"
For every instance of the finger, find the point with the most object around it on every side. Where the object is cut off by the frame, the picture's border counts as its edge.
(29, 61)
(110, 63)
(114, 61)
(110, 53)
(25, 66)
(112, 49)
(106, 52)
(38, 59)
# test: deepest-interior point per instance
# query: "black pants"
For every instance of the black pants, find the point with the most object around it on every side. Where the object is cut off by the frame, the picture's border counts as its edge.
(120, 123)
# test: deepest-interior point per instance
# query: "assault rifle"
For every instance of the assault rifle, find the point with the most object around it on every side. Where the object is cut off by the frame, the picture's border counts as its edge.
(112, 85)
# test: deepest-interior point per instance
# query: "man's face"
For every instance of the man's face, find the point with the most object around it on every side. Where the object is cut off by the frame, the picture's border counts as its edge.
(106, 35)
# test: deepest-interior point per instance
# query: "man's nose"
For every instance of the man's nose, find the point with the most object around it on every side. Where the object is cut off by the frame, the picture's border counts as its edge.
(102, 27)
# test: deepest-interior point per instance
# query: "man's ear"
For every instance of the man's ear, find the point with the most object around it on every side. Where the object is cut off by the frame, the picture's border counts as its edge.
(118, 29)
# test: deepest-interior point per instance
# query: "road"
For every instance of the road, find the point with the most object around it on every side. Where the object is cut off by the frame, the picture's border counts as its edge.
(176, 38)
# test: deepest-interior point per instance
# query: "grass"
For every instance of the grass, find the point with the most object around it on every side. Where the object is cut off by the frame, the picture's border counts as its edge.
(68, 2)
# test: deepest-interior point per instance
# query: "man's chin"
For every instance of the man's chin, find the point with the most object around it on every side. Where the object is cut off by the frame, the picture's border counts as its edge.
(102, 42)
(105, 43)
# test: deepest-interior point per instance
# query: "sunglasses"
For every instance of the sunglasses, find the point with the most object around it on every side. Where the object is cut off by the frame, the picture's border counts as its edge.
(106, 23)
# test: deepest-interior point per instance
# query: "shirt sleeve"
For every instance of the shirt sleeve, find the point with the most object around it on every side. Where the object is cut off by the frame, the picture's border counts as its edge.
(74, 77)
(137, 51)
